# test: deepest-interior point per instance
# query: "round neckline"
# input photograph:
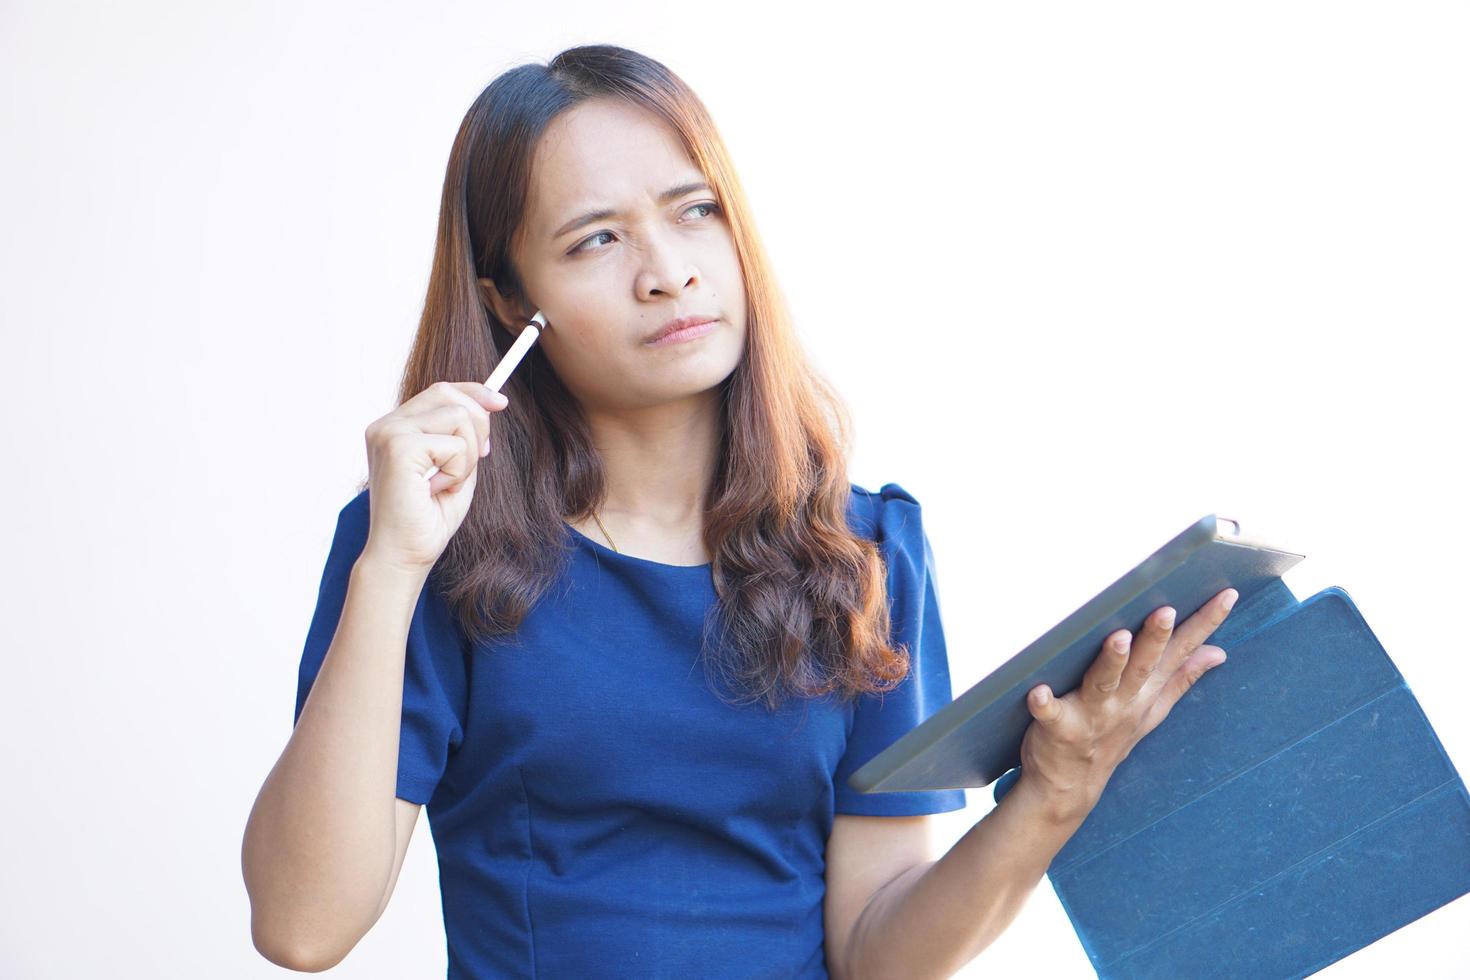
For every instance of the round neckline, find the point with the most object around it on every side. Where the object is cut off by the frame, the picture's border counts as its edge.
(605, 550)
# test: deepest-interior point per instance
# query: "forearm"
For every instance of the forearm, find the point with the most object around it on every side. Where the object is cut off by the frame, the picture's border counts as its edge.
(935, 918)
(320, 842)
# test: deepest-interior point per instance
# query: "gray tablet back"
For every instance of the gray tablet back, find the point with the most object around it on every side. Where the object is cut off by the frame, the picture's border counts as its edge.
(977, 737)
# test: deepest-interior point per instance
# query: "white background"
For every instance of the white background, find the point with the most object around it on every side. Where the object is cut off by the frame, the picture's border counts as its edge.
(1085, 272)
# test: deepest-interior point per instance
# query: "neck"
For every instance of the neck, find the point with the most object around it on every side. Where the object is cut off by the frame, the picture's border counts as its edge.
(658, 463)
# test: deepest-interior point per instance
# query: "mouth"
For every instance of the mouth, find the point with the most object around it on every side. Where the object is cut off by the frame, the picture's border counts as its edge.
(684, 328)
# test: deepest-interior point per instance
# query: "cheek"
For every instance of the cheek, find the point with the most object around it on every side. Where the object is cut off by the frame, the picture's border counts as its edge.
(584, 341)
(585, 308)
(730, 280)
(576, 292)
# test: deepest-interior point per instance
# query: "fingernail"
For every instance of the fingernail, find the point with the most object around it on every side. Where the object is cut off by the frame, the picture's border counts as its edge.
(485, 449)
(1166, 618)
(1230, 598)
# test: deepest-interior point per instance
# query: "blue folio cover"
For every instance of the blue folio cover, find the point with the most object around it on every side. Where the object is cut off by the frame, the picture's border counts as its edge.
(1293, 807)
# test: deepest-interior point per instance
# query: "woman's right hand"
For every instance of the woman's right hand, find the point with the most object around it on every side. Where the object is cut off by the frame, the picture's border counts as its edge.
(412, 519)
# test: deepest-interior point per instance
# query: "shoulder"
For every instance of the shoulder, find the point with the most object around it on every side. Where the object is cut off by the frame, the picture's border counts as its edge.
(888, 514)
(350, 535)
(355, 511)
(352, 520)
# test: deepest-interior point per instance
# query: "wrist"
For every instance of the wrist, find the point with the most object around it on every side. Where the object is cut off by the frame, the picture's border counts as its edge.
(1058, 807)
(388, 573)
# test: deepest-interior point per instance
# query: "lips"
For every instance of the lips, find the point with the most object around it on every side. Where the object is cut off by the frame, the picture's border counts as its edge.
(681, 323)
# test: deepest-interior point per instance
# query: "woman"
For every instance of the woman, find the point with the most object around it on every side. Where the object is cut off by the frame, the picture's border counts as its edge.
(515, 642)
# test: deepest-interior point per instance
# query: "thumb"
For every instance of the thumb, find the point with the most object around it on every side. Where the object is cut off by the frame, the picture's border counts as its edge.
(1043, 704)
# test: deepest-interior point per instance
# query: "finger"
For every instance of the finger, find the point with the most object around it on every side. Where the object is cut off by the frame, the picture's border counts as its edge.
(481, 395)
(1102, 678)
(458, 469)
(1204, 660)
(1044, 705)
(447, 421)
(1197, 629)
(1146, 651)
(456, 419)
(452, 397)
(479, 400)
(444, 391)
(420, 451)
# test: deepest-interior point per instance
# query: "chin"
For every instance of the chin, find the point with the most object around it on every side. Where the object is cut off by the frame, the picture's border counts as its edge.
(689, 379)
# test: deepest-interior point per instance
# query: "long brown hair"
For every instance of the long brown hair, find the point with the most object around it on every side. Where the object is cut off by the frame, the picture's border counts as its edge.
(801, 599)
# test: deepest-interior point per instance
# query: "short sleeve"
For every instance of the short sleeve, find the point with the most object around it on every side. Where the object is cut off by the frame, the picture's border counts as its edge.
(879, 720)
(435, 683)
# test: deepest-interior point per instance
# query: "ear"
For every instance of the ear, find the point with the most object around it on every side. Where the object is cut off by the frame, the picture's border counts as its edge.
(511, 315)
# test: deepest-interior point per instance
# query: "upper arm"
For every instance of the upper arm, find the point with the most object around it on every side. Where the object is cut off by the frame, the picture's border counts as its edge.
(863, 854)
(405, 818)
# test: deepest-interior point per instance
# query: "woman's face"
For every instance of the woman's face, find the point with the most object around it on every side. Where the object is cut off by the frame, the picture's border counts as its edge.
(606, 283)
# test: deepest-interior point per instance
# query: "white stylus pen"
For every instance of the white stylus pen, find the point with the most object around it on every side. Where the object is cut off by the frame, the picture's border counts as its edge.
(508, 363)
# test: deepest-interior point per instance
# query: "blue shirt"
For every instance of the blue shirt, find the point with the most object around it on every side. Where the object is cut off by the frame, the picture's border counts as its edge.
(596, 810)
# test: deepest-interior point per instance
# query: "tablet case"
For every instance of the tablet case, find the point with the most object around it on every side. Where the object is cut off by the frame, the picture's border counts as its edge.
(1293, 807)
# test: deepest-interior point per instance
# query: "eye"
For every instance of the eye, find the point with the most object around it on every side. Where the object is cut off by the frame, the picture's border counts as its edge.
(580, 248)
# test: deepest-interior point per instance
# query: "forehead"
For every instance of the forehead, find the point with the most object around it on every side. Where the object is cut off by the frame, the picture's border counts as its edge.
(603, 153)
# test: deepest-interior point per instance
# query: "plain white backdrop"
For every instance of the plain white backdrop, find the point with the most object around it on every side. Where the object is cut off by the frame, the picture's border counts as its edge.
(1084, 272)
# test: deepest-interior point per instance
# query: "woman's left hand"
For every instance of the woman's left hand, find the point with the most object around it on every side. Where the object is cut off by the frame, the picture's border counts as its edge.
(1075, 742)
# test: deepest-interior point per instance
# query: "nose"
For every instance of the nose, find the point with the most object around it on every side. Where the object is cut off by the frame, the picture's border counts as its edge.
(668, 271)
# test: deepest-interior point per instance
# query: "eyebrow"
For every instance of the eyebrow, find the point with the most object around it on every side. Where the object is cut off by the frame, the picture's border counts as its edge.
(586, 218)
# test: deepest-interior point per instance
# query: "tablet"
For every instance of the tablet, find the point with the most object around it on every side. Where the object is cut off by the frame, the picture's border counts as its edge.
(976, 738)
